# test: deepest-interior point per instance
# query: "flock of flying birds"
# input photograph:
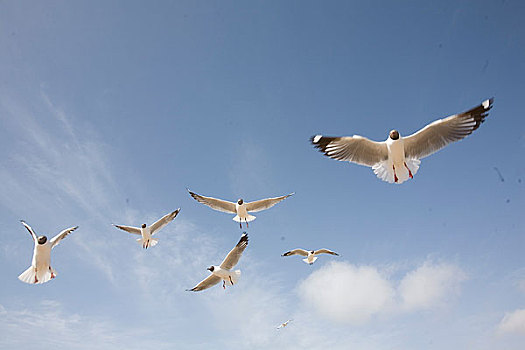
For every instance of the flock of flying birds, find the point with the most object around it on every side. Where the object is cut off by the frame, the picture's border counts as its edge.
(394, 160)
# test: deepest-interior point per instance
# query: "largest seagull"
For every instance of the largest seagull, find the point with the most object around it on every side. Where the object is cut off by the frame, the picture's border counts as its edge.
(40, 270)
(240, 208)
(397, 158)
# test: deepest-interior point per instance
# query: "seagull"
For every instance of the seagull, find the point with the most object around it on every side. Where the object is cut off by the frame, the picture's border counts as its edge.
(146, 232)
(311, 256)
(223, 271)
(240, 208)
(282, 325)
(40, 270)
(397, 159)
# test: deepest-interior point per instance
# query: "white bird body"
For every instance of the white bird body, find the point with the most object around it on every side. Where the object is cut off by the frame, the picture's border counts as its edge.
(227, 275)
(40, 265)
(147, 239)
(242, 213)
(310, 259)
(40, 270)
(397, 159)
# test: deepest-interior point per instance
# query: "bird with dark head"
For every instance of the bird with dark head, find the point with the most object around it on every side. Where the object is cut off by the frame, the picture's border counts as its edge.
(42, 240)
(143, 226)
(240, 201)
(394, 134)
(211, 268)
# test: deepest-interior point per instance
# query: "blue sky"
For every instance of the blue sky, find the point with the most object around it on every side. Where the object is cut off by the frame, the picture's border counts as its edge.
(109, 110)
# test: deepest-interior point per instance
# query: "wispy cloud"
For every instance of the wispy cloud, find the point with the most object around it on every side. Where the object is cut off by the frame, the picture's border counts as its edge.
(48, 326)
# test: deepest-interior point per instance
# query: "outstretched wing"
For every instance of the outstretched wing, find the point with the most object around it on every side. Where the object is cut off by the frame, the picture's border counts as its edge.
(214, 203)
(163, 221)
(356, 149)
(235, 254)
(206, 283)
(56, 240)
(296, 252)
(33, 234)
(440, 133)
(265, 203)
(130, 229)
(325, 251)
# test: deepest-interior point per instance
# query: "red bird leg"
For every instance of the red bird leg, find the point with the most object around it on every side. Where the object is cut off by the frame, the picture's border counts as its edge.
(395, 176)
(240, 224)
(223, 284)
(52, 274)
(409, 172)
(246, 222)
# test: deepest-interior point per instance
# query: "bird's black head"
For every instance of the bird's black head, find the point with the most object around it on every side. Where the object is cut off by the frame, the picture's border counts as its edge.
(42, 240)
(394, 134)
(211, 268)
(312, 251)
(143, 225)
(240, 201)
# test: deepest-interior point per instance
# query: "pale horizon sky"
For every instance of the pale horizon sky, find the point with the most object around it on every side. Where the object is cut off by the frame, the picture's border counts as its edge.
(109, 110)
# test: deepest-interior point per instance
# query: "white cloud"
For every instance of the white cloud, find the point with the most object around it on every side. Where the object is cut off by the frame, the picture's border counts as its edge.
(343, 292)
(513, 322)
(429, 284)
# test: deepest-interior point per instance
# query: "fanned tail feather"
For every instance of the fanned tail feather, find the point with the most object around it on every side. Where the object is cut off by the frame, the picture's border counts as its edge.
(385, 171)
(152, 242)
(235, 277)
(249, 218)
(28, 276)
(313, 260)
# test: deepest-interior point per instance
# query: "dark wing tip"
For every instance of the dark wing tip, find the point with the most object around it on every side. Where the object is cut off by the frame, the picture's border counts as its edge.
(244, 238)
(321, 143)
(287, 253)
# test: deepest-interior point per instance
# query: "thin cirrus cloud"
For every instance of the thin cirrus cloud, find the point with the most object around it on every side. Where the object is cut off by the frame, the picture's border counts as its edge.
(343, 292)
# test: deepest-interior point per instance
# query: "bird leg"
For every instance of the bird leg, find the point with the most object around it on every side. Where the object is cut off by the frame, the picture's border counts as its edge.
(231, 280)
(409, 172)
(246, 220)
(52, 274)
(395, 176)
(36, 279)
(224, 284)
(240, 224)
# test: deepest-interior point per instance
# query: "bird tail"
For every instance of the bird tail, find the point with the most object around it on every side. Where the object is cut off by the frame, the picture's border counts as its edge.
(385, 171)
(249, 218)
(28, 276)
(313, 260)
(235, 277)
(152, 242)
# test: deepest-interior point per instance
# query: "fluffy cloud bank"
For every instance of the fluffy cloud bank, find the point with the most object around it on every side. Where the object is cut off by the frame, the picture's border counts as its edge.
(513, 322)
(344, 292)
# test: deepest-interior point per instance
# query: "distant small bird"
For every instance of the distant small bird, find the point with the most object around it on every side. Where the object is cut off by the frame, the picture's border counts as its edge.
(240, 208)
(282, 325)
(40, 270)
(223, 271)
(397, 159)
(311, 256)
(146, 232)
